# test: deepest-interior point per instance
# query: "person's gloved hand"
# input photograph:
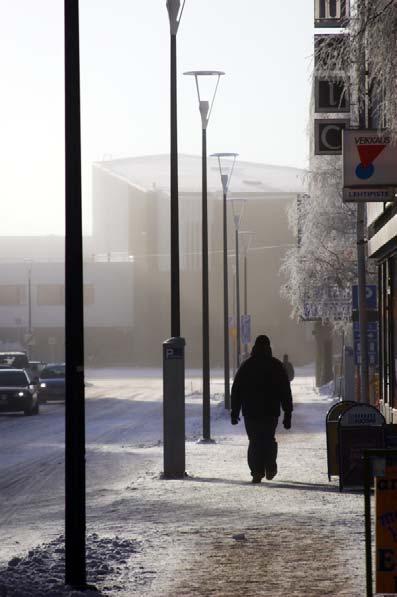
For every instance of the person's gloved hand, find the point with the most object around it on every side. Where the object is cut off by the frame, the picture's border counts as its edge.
(287, 421)
(234, 419)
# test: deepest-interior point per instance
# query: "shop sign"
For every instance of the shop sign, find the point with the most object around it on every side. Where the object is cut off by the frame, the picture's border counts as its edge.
(386, 531)
(331, 95)
(369, 195)
(329, 49)
(371, 297)
(369, 159)
(372, 342)
(331, 13)
(328, 135)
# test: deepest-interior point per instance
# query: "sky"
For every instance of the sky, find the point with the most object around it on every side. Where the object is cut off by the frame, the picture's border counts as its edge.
(261, 109)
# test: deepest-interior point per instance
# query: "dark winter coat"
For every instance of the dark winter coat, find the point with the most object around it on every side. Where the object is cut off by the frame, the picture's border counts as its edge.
(260, 386)
(289, 370)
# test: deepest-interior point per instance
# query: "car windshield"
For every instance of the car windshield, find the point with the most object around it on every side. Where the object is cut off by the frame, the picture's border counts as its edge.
(13, 379)
(56, 371)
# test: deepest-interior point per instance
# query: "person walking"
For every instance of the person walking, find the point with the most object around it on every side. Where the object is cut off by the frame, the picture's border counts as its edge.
(288, 368)
(259, 388)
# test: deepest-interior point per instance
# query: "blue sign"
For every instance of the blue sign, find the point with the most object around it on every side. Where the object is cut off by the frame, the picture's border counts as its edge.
(245, 322)
(371, 294)
(372, 342)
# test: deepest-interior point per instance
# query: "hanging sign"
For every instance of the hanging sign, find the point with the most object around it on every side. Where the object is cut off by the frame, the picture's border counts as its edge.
(328, 135)
(331, 95)
(369, 159)
(386, 531)
(331, 13)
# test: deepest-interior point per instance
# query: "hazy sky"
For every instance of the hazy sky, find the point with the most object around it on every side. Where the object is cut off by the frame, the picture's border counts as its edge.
(261, 110)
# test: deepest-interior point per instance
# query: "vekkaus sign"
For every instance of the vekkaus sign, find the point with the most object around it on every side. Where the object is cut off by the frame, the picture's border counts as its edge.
(369, 159)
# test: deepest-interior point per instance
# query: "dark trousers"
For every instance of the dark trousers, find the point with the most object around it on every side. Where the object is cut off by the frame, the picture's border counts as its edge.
(262, 448)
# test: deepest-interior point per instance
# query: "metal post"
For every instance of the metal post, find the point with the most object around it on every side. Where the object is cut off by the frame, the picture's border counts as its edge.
(226, 307)
(173, 349)
(75, 520)
(174, 408)
(245, 296)
(30, 310)
(361, 242)
(175, 298)
(361, 268)
(206, 340)
(367, 514)
(238, 339)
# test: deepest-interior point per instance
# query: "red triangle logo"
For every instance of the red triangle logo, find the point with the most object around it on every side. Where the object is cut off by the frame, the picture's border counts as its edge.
(369, 153)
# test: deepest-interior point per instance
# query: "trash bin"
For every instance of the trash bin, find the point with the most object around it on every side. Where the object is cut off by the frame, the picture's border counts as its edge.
(331, 430)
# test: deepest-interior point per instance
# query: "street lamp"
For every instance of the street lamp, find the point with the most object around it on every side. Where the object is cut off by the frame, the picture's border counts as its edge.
(226, 162)
(238, 208)
(174, 347)
(246, 237)
(205, 108)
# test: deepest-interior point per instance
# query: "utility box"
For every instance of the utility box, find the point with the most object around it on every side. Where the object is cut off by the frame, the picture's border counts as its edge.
(174, 408)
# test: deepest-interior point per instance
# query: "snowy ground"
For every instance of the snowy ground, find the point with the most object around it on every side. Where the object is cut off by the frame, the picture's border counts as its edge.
(211, 534)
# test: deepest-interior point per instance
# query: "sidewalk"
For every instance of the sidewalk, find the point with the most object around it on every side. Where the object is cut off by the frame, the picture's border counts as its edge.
(214, 533)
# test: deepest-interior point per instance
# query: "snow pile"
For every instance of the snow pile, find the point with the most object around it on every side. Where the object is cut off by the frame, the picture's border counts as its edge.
(41, 572)
(327, 391)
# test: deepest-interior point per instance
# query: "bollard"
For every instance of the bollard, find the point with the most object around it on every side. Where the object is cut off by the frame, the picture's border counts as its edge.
(174, 408)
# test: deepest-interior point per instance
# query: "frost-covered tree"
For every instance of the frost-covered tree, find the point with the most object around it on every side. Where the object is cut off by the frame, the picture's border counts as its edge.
(323, 266)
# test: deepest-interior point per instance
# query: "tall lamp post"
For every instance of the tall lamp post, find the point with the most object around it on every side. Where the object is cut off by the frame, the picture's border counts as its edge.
(205, 108)
(238, 208)
(75, 507)
(246, 237)
(174, 347)
(226, 162)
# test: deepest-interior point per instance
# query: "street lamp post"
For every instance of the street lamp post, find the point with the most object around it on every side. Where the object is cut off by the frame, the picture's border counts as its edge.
(246, 237)
(226, 170)
(75, 507)
(174, 347)
(238, 207)
(205, 108)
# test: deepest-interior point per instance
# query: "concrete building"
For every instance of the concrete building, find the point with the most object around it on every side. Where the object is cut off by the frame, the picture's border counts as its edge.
(131, 215)
(127, 266)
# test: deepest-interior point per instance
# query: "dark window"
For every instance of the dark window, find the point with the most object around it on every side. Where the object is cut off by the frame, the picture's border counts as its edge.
(53, 372)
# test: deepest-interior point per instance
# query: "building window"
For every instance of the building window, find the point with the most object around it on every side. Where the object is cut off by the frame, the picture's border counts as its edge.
(54, 294)
(12, 294)
(50, 294)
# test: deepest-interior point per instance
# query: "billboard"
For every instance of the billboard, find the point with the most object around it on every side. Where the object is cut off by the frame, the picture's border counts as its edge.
(369, 159)
(331, 13)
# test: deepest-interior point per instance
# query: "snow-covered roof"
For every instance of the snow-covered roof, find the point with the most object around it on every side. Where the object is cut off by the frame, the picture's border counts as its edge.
(148, 172)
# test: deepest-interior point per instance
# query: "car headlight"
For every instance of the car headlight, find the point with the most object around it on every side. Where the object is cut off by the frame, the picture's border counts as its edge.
(21, 394)
(43, 385)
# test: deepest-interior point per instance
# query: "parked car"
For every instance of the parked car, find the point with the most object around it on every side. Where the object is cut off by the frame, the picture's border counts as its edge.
(36, 367)
(17, 359)
(18, 392)
(52, 382)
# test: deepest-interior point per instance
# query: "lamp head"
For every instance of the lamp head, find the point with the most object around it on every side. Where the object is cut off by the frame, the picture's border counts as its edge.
(201, 76)
(237, 208)
(174, 14)
(226, 167)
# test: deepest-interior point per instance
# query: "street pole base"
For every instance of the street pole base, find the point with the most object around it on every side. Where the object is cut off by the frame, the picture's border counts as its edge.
(175, 476)
(204, 440)
(83, 587)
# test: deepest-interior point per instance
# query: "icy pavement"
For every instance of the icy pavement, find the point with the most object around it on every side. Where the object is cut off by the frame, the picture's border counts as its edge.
(212, 534)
